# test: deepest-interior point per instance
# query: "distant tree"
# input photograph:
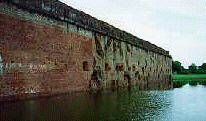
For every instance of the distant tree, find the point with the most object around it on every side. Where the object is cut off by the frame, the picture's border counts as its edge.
(202, 68)
(193, 68)
(176, 67)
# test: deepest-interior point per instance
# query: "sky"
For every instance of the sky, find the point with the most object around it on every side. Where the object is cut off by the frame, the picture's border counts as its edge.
(178, 26)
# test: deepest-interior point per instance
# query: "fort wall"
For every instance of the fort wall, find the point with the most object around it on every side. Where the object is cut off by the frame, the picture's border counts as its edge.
(47, 47)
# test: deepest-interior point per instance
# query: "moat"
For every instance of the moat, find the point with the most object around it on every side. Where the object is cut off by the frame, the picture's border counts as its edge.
(185, 103)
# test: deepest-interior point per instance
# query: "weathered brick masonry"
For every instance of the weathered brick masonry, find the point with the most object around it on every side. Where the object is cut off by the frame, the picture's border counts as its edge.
(47, 47)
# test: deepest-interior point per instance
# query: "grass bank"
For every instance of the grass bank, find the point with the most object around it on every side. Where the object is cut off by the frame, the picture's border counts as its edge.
(189, 77)
(193, 79)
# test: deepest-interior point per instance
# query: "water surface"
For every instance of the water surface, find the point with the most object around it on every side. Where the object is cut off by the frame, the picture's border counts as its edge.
(185, 103)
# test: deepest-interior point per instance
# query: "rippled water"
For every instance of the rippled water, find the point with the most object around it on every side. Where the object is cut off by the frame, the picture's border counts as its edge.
(179, 104)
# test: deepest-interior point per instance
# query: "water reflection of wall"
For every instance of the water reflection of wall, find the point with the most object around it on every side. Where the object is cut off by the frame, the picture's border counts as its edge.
(138, 105)
(149, 105)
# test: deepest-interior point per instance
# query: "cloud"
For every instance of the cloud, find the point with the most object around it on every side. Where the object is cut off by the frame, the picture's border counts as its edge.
(190, 7)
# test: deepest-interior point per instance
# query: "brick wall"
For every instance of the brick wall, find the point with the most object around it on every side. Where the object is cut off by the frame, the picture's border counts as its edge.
(42, 59)
(41, 55)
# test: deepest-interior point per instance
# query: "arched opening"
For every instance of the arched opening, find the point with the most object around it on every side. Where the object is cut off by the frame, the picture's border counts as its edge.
(107, 67)
(136, 73)
(133, 68)
(146, 51)
(139, 77)
(143, 69)
(129, 68)
(117, 68)
(120, 67)
(85, 66)
(150, 69)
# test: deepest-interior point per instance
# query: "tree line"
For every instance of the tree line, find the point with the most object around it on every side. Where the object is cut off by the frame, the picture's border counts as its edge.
(192, 69)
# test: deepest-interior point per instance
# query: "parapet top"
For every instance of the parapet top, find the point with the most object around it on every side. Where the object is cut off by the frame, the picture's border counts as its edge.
(61, 11)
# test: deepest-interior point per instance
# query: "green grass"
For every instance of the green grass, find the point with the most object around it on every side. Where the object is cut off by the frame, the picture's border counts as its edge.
(189, 77)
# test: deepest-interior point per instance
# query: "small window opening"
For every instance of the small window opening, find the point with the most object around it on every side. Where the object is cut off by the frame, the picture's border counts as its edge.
(133, 68)
(142, 69)
(117, 68)
(139, 77)
(129, 68)
(146, 51)
(85, 66)
(121, 68)
(107, 68)
(137, 73)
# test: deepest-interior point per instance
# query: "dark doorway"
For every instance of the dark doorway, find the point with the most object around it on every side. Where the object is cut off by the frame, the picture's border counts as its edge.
(85, 66)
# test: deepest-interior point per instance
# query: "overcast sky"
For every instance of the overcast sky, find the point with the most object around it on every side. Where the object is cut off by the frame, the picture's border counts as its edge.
(175, 25)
